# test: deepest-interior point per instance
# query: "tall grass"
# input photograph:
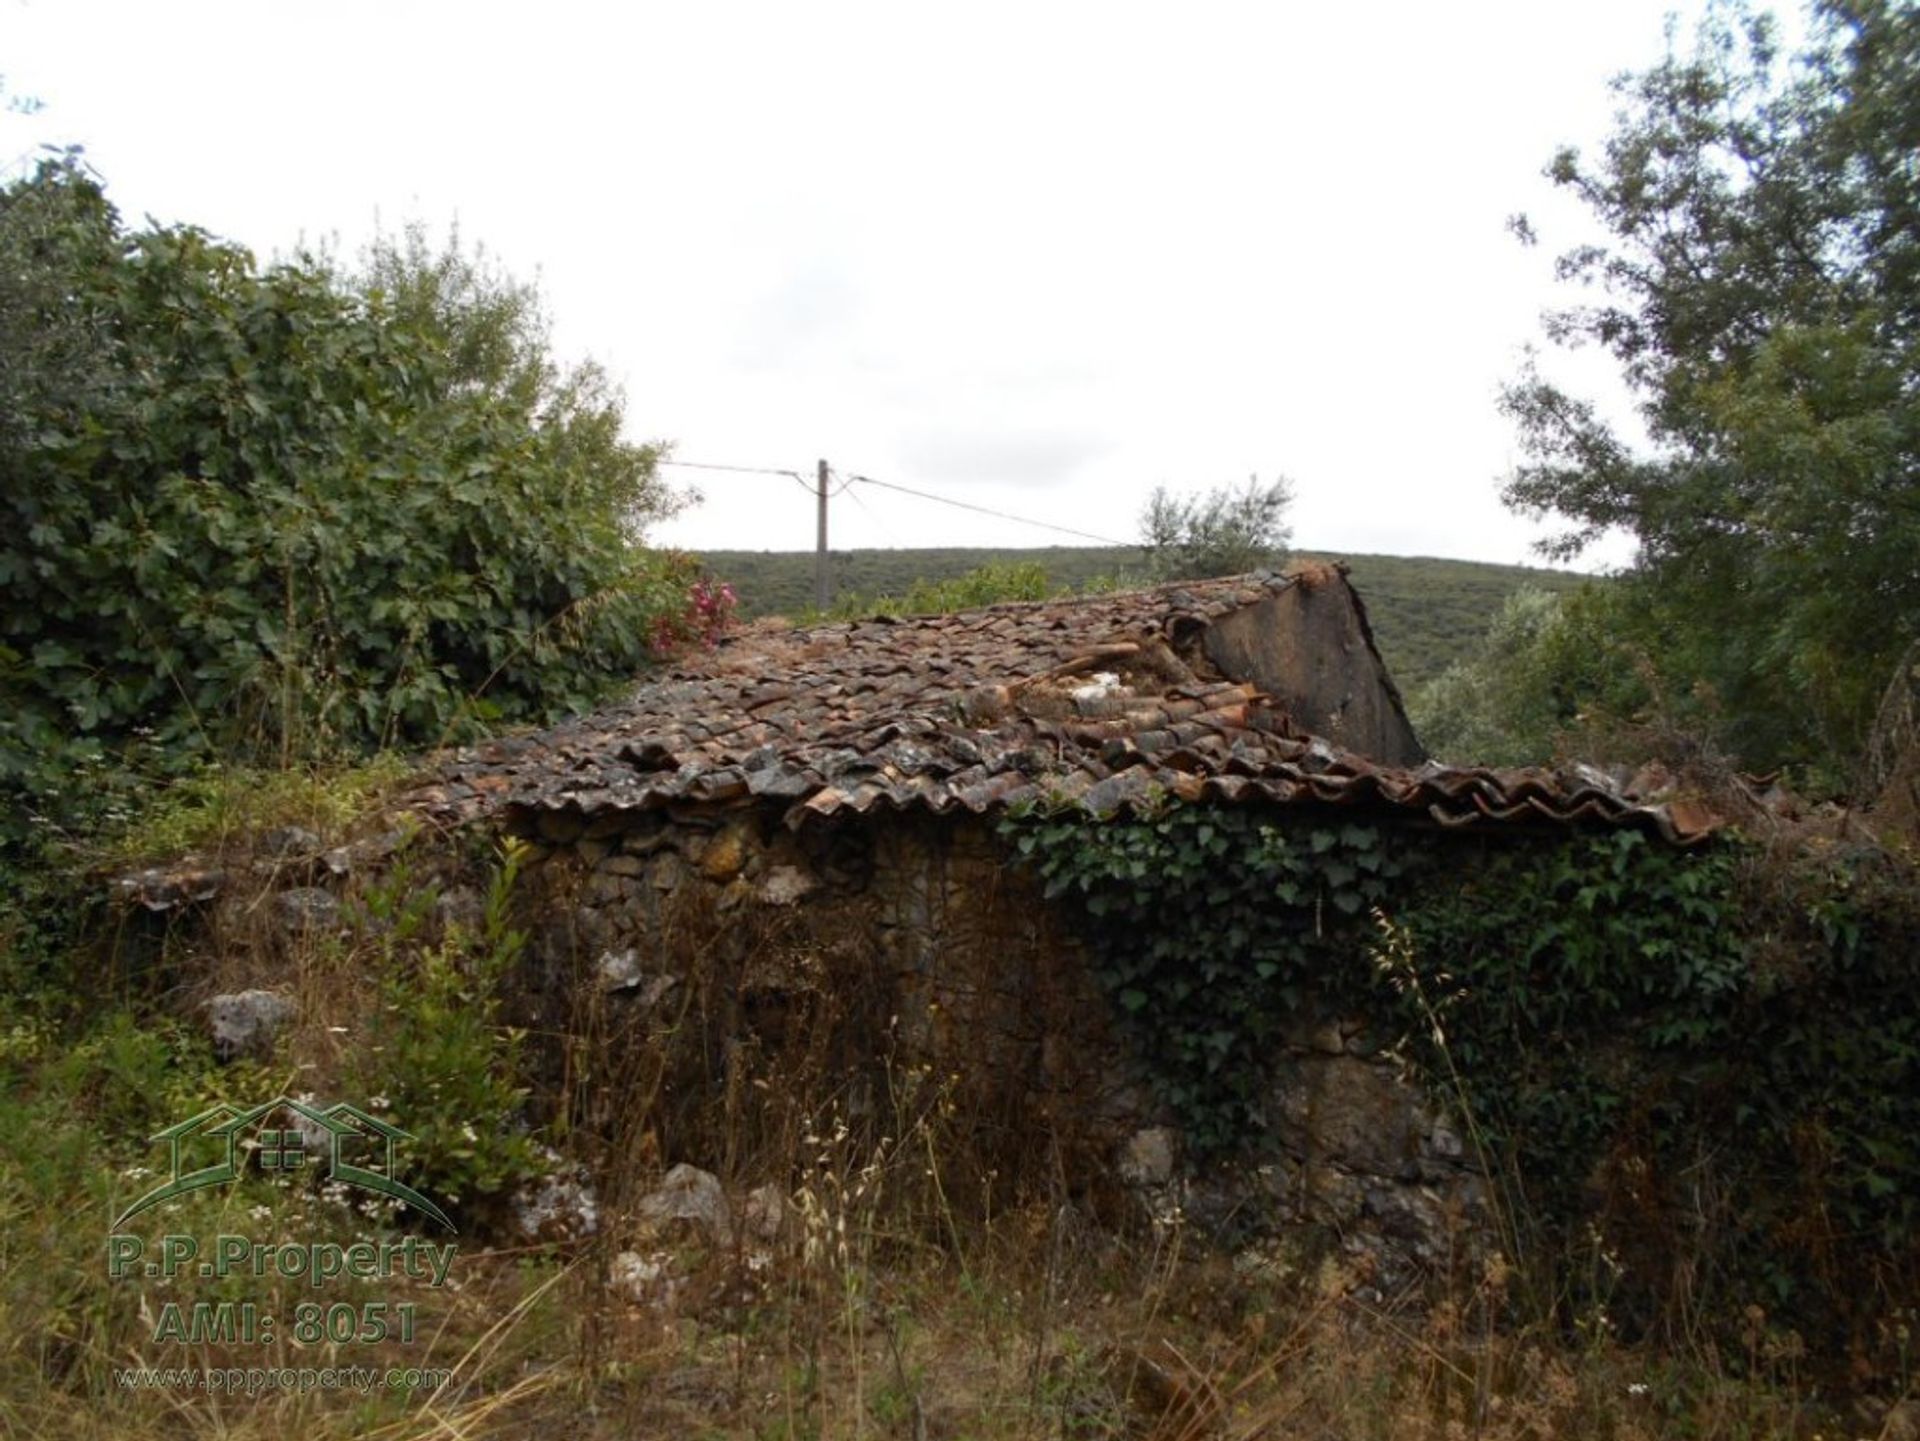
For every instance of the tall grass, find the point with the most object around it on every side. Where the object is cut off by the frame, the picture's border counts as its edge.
(897, 1289)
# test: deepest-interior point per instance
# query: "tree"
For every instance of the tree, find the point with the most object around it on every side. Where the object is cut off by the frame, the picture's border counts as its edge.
(1760, 289)
(1553, 673)
(293, 510)
(52, 340)
(1225, 532)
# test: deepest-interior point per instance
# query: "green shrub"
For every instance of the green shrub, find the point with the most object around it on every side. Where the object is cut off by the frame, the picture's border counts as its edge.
(1713, 1054)
(1552, 671)
(1227, 531)
(438, 1055)
(989, 584)
(292, 512)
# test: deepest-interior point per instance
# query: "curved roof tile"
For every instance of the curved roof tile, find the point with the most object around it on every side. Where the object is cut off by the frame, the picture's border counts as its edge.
(1105, 702)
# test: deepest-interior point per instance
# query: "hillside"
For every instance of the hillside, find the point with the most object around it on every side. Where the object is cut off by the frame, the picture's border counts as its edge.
(1426, 612)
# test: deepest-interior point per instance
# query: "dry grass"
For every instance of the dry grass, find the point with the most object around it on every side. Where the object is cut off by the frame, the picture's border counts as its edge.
(873, 1314)
(922, 1283)
(876, 1310)
(834, 1342)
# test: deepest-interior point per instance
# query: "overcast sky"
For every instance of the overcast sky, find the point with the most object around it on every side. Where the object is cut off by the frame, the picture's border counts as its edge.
(1038, 257)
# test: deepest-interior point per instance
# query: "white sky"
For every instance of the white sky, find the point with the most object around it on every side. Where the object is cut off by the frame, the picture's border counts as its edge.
(1038, 257)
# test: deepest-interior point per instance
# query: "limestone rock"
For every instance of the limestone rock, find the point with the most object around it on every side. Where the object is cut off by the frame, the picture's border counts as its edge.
(1148, 1157)
(645, 842)
(655, 990)
(365, 852)
(1444, 1143)
(619, 970)
(168, 888)
(606, 888)
(1352, 1112)
(645, 1280)
(620, 975)
(592, 930)
(765, 1213)
(1412, 1215)
(559, 1207)
(290, 842)
(785, 885)
(691, 1194)
(246, 1023)
(305, 909)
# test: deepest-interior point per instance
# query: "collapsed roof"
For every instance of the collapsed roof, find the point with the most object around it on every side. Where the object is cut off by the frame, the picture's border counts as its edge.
(1265, 687)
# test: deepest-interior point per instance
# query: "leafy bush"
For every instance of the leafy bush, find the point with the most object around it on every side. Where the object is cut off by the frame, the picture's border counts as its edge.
(1226, 532)
(289, 512)
(987, 585)
(1552, 671)
(440, 1056)
(1713, 1053)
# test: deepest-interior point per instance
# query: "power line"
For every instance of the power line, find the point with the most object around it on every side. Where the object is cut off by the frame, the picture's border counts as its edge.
(811, 487)
(983, 510)
(792, 475)
(743, 469)
(873, 515)
(805, 484)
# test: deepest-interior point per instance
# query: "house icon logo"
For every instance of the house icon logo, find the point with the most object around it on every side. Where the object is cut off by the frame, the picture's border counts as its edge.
(211, 1149)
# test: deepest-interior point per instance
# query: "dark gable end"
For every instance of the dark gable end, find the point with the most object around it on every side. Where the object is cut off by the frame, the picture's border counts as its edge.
(1311, 649)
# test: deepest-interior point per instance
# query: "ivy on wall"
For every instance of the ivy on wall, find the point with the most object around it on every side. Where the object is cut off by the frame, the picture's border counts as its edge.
(1714, 1050)
(1211, 928)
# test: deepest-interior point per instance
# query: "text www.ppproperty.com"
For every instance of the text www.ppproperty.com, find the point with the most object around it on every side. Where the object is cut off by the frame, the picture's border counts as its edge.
(254, 1380)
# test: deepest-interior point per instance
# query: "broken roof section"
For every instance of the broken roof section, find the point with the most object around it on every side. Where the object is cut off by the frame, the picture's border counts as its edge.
(1263, 687)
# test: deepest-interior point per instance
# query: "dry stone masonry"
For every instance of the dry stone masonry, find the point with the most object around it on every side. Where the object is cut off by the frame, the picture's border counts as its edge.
(931, 956)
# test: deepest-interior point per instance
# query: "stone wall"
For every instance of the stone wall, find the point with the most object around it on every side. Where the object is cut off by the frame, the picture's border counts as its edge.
(896, 971)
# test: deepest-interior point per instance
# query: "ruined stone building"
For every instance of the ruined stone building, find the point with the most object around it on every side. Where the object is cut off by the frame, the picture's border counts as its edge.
(785, 847)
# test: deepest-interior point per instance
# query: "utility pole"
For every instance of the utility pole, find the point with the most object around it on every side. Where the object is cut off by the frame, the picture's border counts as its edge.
(820, 596)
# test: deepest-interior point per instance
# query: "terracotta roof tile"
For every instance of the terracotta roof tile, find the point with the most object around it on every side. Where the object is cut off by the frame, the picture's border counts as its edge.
(1104, 702)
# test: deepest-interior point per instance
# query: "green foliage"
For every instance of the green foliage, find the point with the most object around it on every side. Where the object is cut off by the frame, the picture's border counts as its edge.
(292, 512)
(129, 1075)
(1540, 960)
(214, 804)
(1714, 1053)
(1715, 1050)
(1761, 293)
(1225, 532)
(76, 1106)
(1552, 668)
(1212, 928)
(439, 1055)
(988, 585)
(51, 339)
